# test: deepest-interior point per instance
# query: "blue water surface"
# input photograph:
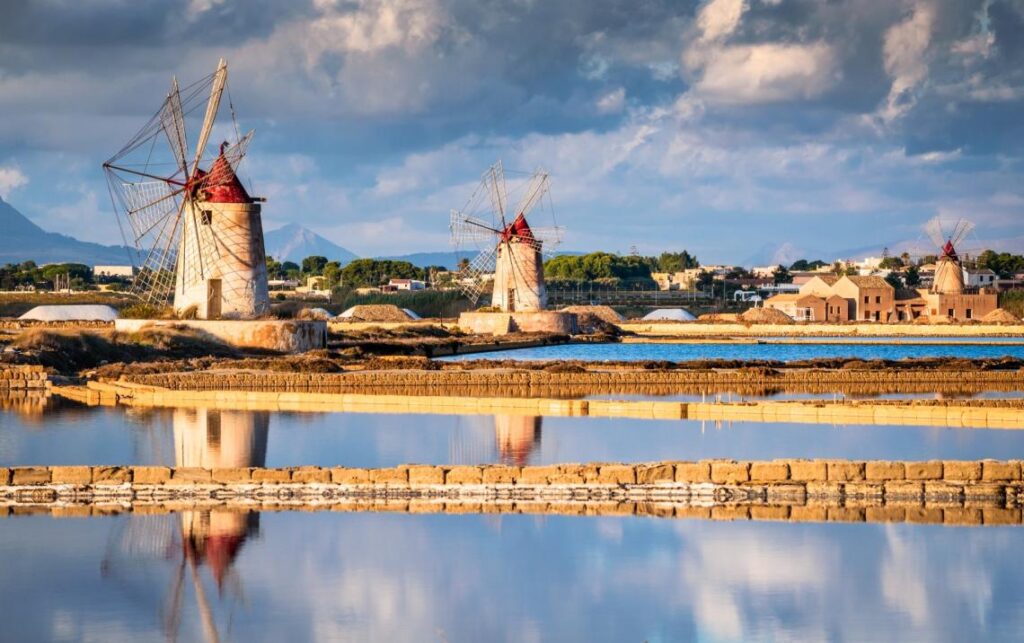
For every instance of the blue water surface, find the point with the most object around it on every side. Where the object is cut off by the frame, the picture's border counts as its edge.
(210, 438)
(786, 352)
(413, 577)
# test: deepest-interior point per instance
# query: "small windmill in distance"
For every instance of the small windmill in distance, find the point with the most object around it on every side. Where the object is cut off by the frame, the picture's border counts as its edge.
(507, 245)
(949, 274)
(198, 233)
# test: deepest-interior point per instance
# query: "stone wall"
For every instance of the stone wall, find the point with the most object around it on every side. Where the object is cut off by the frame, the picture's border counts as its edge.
(700, 329)
(546, 321)
(23, 377)
(943, 492)
(383, 380)
(286, 336)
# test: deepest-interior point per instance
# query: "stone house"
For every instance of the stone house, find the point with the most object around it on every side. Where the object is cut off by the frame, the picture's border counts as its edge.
(808, 307)
(869, 298)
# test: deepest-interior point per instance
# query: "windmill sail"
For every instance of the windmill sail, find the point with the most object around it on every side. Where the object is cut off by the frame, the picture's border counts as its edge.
(511, 250)
(197, 233)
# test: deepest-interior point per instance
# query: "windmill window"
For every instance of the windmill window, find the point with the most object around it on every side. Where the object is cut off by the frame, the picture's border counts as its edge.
(206, 217)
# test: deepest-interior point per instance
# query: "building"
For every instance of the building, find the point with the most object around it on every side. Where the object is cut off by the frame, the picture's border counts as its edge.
(983, 278)
(869, 298)
(222, 265)
(807, 307)
(681, 280)
(126, 272)
(519, 270)
(407, 284)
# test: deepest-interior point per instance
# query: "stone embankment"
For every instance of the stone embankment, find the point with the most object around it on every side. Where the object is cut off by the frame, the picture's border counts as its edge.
(699, 329)
(383, 380)
(992, 414)
(23, 377)
(954, 492)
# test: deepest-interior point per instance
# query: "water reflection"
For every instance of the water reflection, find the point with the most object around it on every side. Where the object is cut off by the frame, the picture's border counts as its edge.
(373, 576)
(516, 437)
(212, 538)
(103, 435)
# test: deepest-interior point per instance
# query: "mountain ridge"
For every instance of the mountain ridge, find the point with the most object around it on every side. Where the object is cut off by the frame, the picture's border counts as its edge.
(22, 240)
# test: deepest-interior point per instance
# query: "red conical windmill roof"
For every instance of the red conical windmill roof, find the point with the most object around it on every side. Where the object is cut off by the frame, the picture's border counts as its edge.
(948, 250)
(221, 184)
(518, 229)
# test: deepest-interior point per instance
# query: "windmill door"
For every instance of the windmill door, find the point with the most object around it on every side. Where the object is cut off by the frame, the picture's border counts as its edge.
(213, 298)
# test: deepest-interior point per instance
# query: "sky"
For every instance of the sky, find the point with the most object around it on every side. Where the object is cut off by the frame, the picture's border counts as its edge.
(747, 131)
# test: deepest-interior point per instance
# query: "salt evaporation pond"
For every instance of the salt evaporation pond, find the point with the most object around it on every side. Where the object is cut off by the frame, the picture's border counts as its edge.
(72, 434)
(868, 348)
(409, 577)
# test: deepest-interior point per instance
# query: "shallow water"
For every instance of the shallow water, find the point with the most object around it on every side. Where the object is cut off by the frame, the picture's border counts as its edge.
(788, 352)
(404, 577)
(79, 435)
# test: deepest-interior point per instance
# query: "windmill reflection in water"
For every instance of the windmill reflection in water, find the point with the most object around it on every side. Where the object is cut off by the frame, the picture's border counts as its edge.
(142, 544)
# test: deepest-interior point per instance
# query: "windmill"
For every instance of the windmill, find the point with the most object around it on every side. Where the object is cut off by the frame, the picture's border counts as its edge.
(507, 245)
(197, 233)
(949, 274)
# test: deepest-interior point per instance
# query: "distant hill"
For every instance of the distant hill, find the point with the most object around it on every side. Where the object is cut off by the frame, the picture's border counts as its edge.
(447, 259)
(294, 243)
(21, 240)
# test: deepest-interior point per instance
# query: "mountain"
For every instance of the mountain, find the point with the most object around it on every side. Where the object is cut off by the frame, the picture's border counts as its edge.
(294, 243)
(423, 259)
(21, 240)
(448, 259)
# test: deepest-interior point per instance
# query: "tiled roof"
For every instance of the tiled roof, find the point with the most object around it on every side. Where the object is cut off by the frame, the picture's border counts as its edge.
(869, 281)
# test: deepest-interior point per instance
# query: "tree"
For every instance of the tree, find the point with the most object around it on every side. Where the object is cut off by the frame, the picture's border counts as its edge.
(781, 275)
(705, 280)
(274, 269)
(374, 272)
(912, 277)
(893, 279)
(1003, 264)
(675, 261)
(332, 274)
(314, 265)
(890, 263)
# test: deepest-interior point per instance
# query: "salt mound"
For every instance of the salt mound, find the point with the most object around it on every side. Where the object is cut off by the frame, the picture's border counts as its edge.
(606, 314)
(766, 316)
(376, 313)
(1000, 316)
(315, 313)
(669, 314)
(86, 312)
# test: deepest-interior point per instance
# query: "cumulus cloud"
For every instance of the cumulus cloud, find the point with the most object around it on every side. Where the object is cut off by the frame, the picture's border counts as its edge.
(905, 57)
(753, 72)
(719, 18)
(613, 102)
(767, 72)
(11, 177)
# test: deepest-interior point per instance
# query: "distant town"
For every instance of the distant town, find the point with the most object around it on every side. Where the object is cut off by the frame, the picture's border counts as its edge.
(884, 288)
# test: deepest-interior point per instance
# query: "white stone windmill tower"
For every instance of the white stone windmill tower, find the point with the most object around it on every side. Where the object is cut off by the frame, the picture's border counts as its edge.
(198, 233)
(508, 246)
(949, 274)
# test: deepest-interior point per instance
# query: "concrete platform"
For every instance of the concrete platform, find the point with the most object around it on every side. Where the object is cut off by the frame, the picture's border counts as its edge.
(544, 321)
(284, 335)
